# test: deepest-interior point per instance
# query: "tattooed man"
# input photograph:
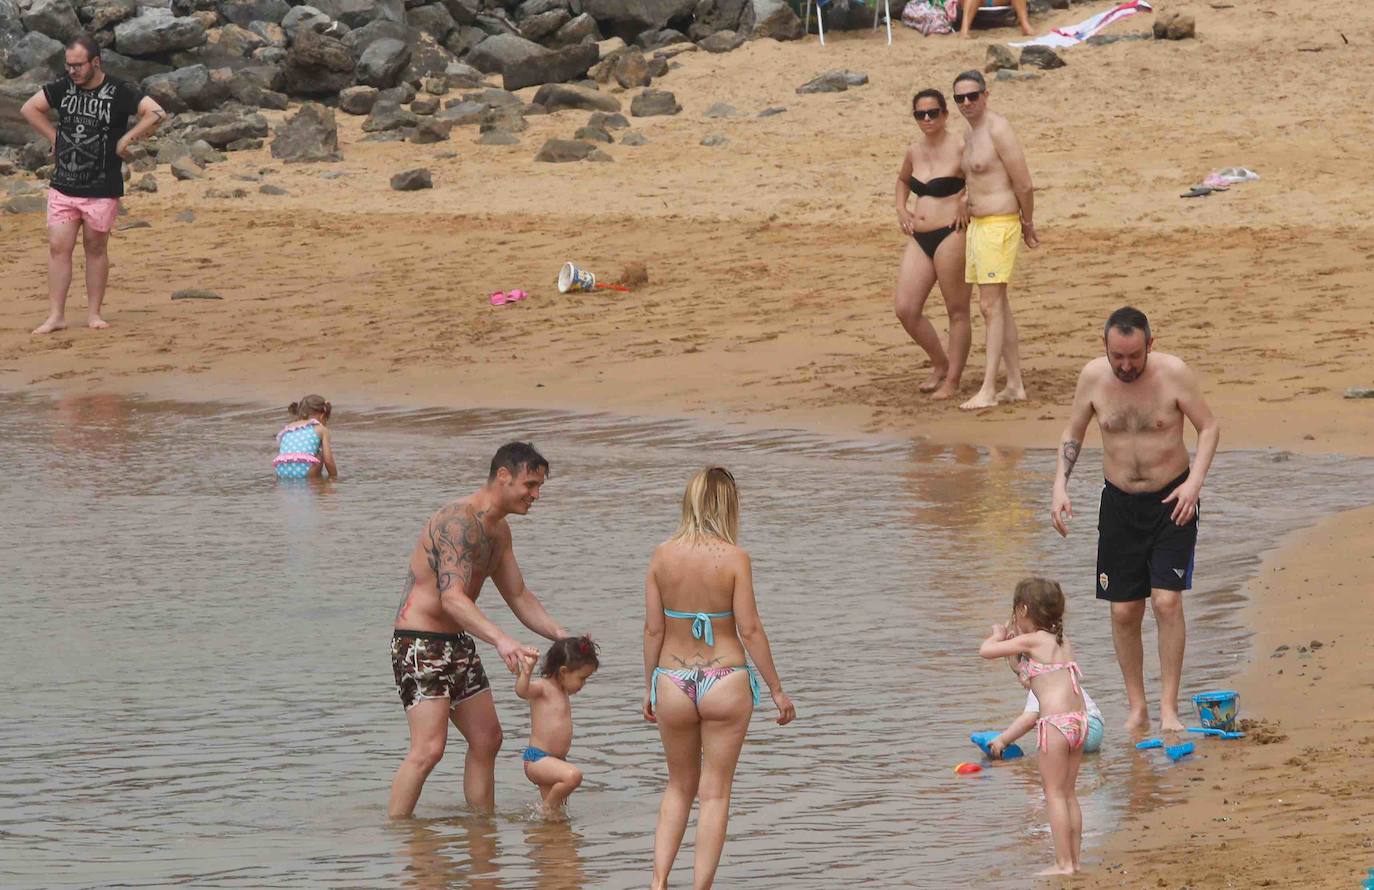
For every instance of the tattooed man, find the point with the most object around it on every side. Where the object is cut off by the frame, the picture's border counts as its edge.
(1147, 525)
(438, 674)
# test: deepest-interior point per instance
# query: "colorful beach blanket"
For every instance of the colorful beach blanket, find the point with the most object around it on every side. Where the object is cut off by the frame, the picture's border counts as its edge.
(1076, 34)
(930, 16)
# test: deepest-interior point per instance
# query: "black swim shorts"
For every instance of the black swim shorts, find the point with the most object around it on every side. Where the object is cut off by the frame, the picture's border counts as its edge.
(435, 665)
(1139, 547)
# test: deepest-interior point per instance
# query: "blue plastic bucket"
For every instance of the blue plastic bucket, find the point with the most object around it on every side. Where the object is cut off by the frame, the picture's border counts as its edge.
(1217, 710)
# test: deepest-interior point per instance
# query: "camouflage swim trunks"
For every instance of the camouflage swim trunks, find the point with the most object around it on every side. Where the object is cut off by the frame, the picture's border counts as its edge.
(434, 665)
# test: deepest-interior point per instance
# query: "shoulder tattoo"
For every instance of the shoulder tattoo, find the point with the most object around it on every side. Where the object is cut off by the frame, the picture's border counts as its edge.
(458, 547)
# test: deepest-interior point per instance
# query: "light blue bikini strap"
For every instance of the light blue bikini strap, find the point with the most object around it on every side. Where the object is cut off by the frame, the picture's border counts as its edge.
(701, 623)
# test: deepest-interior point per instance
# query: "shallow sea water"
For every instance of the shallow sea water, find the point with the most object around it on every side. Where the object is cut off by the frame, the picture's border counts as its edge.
(198, 687)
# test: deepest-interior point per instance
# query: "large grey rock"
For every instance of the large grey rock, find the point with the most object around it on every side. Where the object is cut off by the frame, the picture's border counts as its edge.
(434, 20)
(427, 59)
(304, 18)
(497, 54)
(627, 67)
(186, 89)
(558, 96)
(562, 151)
(209, 55)
(1174, 24)
(317, 66)
(359, 40)
(464, 12)
(430, 130)
(127, 68)
(103, 15)
(507, 119)
(531, 8)
(722, 42)
(381, 63)
(462, 76)
(492, 97)
(34, 50)
(539, 27)
(184, 168)
(718, 15)
(357, 100)
(498, 137)
(273, 35)
(402, 94)
(155, 31)
(223, 128)
(232, 39)
(770, 18)
(836, 81)
(611, 121)
(14, 130)
(55, 18)
(1042, 57)
(357, 13)
(629, 18)
(593, 134)
(556, 66)
(464, 39)
(463, 113)
(425, 105)
(579, 29)
(388, 115)
(412, 180)
(244, 12)
(634, 138)
(309, 135)
(496, 21)
(247, 92)
(654, 103)
(1001, 57)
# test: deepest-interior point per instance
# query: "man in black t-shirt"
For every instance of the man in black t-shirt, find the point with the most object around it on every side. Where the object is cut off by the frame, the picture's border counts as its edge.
(89, 141)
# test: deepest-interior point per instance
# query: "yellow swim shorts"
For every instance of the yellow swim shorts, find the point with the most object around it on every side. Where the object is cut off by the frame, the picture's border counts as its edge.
(990, 251)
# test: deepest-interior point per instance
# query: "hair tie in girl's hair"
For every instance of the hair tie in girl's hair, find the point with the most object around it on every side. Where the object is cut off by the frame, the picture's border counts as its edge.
(584, 644)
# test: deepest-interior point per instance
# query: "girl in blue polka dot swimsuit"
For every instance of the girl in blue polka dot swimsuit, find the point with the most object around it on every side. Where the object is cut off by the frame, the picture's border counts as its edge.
(303, 450)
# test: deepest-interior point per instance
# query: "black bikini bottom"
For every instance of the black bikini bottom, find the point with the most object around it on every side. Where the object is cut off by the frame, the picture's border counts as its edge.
(930, 241)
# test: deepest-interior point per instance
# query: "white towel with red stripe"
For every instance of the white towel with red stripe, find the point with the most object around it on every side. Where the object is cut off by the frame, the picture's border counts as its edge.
(1076, 34)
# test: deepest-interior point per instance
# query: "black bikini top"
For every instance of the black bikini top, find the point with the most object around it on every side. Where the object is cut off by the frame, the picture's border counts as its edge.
(939, 187)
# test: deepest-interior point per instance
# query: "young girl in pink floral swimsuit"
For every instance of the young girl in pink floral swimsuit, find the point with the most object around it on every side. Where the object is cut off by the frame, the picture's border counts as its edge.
(1047, 662)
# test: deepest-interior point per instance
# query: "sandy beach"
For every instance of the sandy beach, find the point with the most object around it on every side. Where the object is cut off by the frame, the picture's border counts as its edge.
(772, 261)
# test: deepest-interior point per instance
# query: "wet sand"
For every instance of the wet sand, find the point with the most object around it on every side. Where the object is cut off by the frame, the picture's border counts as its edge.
(772, 259)
(1291, 805)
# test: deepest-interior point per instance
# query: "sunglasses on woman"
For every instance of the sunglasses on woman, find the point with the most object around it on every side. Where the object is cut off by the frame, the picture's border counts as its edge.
(926, 114)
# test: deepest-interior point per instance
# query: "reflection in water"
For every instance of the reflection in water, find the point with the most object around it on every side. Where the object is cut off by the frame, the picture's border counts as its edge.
(231, 633)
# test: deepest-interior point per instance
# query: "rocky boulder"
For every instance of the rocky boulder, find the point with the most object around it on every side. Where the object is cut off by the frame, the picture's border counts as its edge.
(1001, 57)
(557, 66)
(304, 18)
(1174, 24)
(14, 130)
(309, 135)
(654, 103)
(55, 18)
(235, 40)
(357, 100)
(381, 63)
(388, 115)
(187, 89)
(580, 29)
(244, 12)
(717, 15)
(562, 151)
(836, 81)
(770, 18)
(434, 20)
(356, 13)
(412, 180)
(544, 25)
(317, 66)
(31, 51)
(1042, 57)
(156, 31)
(722, 42)
(431, 130)
(103, 15)
(630, 18)
(427, 59)
(359, 40)
(503, 52)
(558, 96)
(222, 129)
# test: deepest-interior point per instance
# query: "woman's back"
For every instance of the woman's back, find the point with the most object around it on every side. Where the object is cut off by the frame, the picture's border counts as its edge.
(697, 578)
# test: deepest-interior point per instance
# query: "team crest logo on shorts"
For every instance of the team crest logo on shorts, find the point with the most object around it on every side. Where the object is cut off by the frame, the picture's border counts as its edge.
(1102, 580)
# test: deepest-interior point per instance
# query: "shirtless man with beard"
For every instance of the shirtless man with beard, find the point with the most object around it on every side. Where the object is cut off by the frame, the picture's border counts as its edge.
(1148, 522)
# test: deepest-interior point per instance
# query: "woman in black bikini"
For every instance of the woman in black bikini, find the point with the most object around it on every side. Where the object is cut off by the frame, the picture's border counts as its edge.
(932, 170)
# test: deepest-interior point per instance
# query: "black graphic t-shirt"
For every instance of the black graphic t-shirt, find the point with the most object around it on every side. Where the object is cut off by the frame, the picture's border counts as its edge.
(89, 125)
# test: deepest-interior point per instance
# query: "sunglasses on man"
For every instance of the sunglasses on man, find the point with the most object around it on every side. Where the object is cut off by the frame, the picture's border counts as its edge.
(965, 98)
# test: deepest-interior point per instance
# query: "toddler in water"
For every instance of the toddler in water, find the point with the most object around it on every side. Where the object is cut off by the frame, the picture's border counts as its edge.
(303, 450)
(568, 664)
(1038, 619)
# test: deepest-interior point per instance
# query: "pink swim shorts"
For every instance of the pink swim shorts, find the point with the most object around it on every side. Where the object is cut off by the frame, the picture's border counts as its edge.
(97, 213)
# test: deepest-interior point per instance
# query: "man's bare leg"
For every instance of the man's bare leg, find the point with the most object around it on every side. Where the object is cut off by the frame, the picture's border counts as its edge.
(476, 719)
(1130, 654)
(1173, 635)
(992, 300)
(428, 734)
(61, 243)
(96, 245)
(1015, 390)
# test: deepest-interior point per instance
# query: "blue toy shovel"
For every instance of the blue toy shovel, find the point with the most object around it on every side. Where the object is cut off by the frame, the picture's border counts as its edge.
(984, 739)
(1177, 752)
(1148, 744)
(1219, 733)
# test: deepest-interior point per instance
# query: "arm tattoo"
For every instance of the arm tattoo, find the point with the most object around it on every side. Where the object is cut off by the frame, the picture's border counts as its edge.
(1070, 453)
(458, 546)
(159, 114)
(405, 594)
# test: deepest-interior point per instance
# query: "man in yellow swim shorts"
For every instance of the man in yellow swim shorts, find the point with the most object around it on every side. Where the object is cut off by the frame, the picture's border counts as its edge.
(1001, 206)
